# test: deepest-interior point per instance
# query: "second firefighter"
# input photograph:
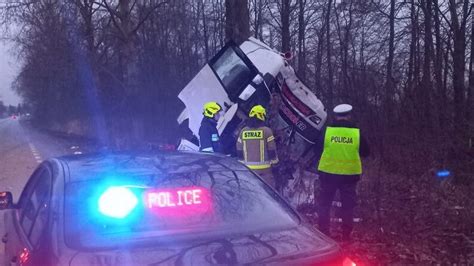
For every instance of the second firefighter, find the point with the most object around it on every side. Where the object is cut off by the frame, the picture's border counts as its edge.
(256, 145)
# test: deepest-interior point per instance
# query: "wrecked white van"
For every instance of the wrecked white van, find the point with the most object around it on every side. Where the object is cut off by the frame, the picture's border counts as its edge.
(239, 78)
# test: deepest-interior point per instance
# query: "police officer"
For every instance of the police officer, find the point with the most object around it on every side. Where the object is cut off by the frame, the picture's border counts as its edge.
(340, 168)
(208, 135)
(256, 146)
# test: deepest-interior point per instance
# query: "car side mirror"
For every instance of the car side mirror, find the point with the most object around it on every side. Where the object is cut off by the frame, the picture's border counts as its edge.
(6, 200)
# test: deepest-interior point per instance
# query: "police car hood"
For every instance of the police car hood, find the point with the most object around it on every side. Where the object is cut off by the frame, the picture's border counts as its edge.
(295, 246)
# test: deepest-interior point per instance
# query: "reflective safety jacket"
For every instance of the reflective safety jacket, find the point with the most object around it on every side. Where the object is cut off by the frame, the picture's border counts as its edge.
(208, 136)
(341, 151)
(256, 147)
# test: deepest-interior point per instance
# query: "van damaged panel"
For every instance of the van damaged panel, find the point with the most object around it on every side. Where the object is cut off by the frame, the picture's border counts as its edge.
(241, 77)
(204, 87)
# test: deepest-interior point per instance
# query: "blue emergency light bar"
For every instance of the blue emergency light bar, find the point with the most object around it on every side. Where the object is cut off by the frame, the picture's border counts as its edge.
(117, 202)
(443, 173)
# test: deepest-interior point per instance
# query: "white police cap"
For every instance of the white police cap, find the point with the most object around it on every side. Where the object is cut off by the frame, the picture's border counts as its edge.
(342, 109)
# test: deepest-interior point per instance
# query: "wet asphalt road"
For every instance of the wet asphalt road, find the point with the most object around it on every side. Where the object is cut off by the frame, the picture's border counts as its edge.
(22, 149)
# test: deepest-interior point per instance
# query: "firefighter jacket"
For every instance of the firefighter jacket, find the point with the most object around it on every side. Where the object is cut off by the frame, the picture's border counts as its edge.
(256, 147)
(208, 136)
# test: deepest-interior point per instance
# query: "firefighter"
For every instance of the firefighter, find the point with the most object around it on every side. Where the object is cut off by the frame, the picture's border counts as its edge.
(256, 146)
(340, 168)
(208, 136)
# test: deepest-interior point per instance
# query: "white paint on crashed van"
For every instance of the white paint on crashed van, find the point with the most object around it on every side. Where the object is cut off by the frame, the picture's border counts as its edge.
(203, 88)
(206, 87)
(303, 93)
(263, 57)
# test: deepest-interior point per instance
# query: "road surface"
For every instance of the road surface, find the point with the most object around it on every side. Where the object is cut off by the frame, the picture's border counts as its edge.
(22, 148)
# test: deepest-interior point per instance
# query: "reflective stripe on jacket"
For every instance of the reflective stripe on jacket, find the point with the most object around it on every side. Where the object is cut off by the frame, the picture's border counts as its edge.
(341, 151)
(258, 147)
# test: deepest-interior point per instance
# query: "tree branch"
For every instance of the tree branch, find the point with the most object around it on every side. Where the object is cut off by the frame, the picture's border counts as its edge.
(113, 15)
(442, 14)
(148, 15)
(379, 9)
(273, 17)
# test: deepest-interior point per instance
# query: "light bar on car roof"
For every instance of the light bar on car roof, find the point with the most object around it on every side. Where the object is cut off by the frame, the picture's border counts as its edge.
(117, 202)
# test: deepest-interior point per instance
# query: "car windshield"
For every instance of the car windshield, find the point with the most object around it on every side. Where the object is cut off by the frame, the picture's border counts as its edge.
(181, 205)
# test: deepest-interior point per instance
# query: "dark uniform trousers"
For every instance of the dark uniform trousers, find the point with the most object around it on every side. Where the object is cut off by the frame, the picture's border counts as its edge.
(346, 185)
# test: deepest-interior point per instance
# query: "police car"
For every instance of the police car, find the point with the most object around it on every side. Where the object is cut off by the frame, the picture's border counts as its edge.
(169, 208)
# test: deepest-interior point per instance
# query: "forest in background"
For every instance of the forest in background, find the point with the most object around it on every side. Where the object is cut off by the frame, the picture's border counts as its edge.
(113, 69)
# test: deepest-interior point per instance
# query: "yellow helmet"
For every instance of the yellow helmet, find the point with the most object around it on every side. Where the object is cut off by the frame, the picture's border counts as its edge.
(259, 112)
(211, 108)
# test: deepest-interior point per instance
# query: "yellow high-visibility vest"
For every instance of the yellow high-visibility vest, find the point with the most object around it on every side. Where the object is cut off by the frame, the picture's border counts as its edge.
(341, 151)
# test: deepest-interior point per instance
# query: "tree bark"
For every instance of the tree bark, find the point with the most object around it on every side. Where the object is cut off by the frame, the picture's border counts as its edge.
(344, 36)
(438, 67)
(330, 93)
(411, 60)
(459, 48)
(391, 50)
(424, 97)
(285, 26)
(347, 39)
(301, 41)
(319, 58)
(258, 6)
(202, 8)
(470, 92)
(416, 40)
(237, 26)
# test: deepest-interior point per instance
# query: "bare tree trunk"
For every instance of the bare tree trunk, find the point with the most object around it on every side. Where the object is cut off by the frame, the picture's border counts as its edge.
(459, 43)
(438, 67)
(363, 91)
(347, 38)
(346, 91)
(258, 7)
(411, 60)
(219, 35)
(389, 79)
(330, 93)
(129, 129)
(86, 9)
(413, 65)
(470, 92)
(237, 20)
(125, 42)
(126, 129)
(446, 70)
(301, 41)
(285, 25)
(319, 59)
(424, 97)
(416, 54)
(202, 8)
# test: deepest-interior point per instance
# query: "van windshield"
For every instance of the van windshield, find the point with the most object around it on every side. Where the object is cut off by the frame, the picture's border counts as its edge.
(233, 72)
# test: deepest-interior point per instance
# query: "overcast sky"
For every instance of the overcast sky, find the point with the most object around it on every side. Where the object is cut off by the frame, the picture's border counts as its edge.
(8, 70)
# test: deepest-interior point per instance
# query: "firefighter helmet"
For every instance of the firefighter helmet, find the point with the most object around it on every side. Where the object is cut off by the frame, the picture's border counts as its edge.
(259, 112)
(211, 109)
